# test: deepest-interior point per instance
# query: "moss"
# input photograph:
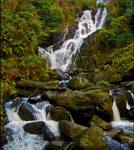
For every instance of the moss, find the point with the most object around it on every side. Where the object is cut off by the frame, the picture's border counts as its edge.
(78, 83)
(26, 67)
(6, 90)
(98, 95)
(93, 139)
(103, 83)
(115, 8)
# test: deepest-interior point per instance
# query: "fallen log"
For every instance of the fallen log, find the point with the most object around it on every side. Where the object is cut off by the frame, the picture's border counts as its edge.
(29, 84)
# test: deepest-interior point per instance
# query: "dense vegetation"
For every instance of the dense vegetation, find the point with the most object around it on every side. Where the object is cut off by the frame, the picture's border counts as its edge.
(109, 53)
(27, 24)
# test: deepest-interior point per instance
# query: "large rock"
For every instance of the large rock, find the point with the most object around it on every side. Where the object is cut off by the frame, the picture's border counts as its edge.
(39, 128)
(126, 138)
(83, 104)
(71, 130)
(93, 139)
(26, 112)
(112, 133)
(77, 83)
(61, 145)
(29, 84)
(60, 113)
(96, 121)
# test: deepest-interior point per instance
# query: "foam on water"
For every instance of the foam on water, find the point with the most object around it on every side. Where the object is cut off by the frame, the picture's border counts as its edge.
(62, 57)
(17, 137)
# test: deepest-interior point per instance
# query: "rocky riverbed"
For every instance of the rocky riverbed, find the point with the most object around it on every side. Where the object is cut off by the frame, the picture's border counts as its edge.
(71, 118)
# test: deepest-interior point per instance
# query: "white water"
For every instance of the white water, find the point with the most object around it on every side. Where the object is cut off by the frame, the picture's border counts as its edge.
(21, 140)
(128, 107)
(62, 57)
(116, 113)
(125, 125)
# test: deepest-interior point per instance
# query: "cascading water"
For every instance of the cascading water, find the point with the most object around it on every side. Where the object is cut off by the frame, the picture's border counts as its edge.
(125, 125)
(116, 113)
(18, 138)
(87, 25)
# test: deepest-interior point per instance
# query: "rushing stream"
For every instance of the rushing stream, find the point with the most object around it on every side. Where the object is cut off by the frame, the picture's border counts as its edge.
(87, 25)
(60, 58)
(18, 139)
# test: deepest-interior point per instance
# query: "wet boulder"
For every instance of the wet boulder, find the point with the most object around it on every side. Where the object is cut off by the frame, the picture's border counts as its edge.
(124, 137)
(26, 112)
(71, 130)
(62, 145)
(60, 113)
(55, 145)
(93, 139)
(83, 104)
(34, 99)
(78, 83)
(39, 127)
(112, 133)
(96, 121)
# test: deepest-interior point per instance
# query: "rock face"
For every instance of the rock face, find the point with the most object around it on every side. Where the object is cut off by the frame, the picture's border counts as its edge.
(92, 140)
(39, 128)
(60, 113)
(71, 130)
(83, 104)
(100, 123)
(25, 112)
(77, 83)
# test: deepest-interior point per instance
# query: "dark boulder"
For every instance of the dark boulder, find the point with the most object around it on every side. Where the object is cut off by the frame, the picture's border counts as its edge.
(26, 112)
(71, 130)
(39, 128)
(83, 104)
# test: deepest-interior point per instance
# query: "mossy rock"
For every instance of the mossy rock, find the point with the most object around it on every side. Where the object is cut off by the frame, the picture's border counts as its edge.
(78, 83)
(71, 130)
(84, 103)
(103, 83)
(92, 140)
(60, 113)
(96, 121)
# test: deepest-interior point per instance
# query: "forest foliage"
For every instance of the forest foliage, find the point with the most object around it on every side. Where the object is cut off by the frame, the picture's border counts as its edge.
(27, 24)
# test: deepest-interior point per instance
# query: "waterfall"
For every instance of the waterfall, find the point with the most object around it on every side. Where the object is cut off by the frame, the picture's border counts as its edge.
(18, 138)
(87, 25)
(125, 125)
(132, 95)
(116, 113)
(128, 107)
